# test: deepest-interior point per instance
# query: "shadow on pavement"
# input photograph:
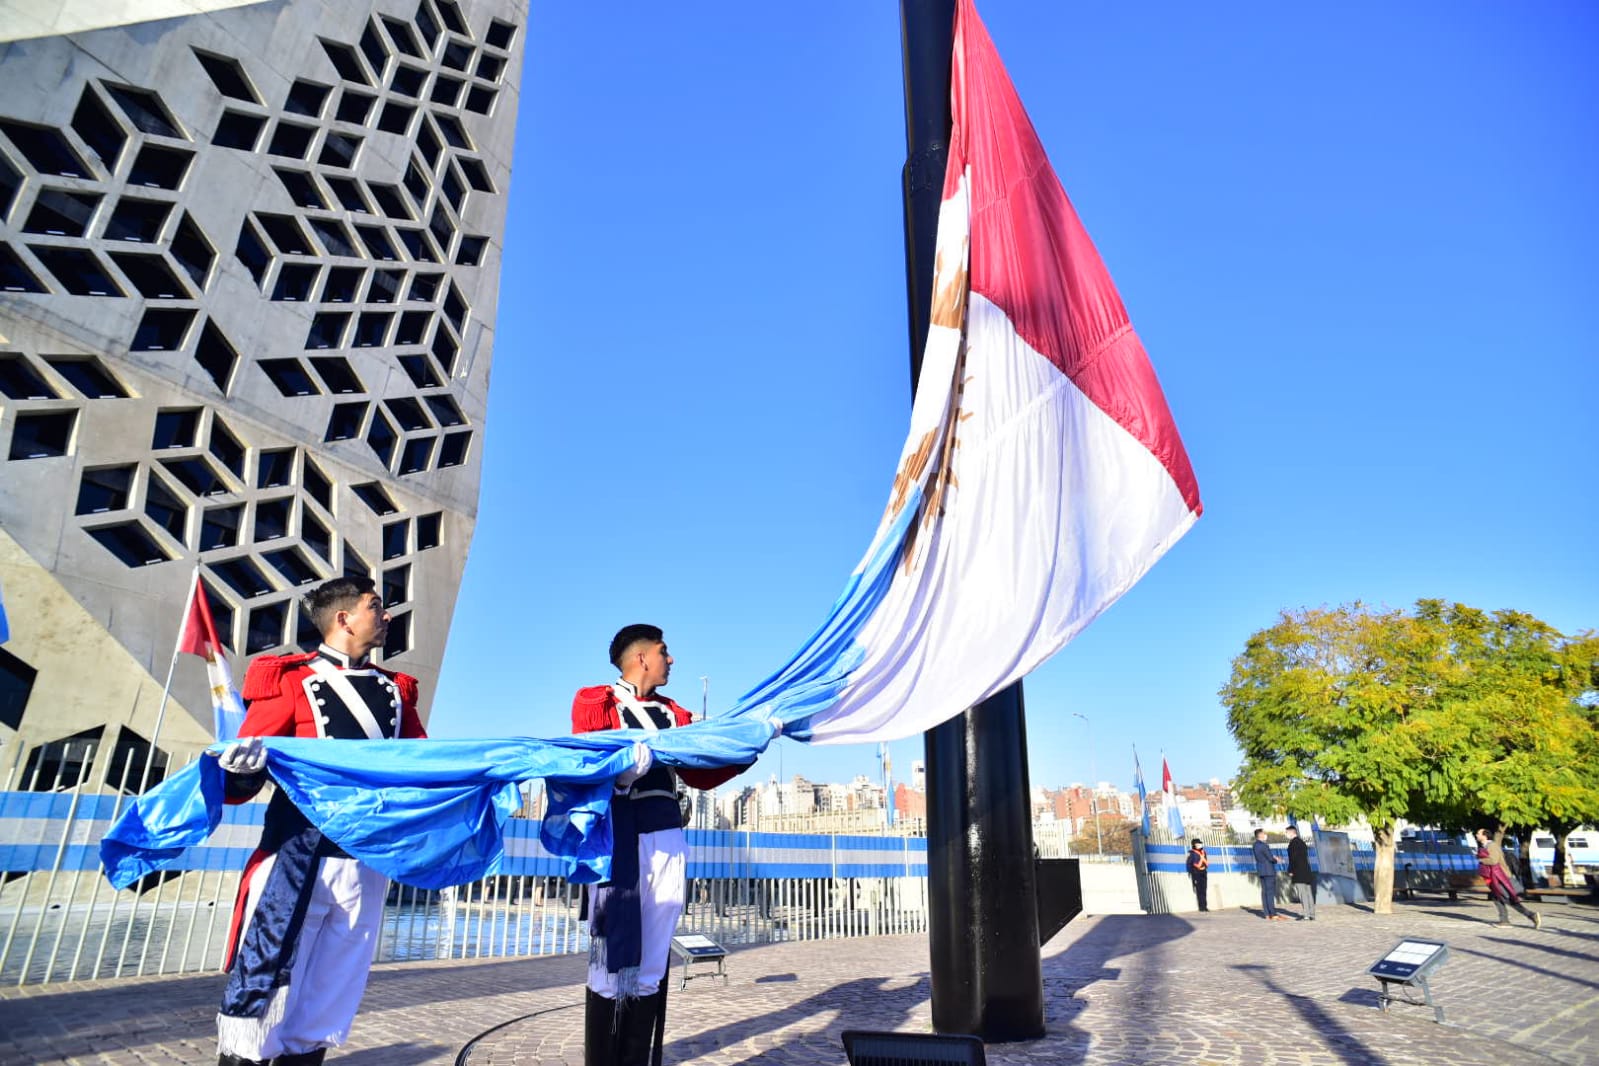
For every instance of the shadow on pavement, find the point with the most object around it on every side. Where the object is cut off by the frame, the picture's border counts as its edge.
(1529, 967)
(1083, 963)
(1340, 1040)
(889, 1007)
(393, 1055)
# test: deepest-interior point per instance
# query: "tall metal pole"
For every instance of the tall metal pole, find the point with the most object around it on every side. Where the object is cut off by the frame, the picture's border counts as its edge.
(1093, 770)
(987, 976)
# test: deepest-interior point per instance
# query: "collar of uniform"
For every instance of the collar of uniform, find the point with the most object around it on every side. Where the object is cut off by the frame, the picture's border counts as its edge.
(628, 690)
(341, 660)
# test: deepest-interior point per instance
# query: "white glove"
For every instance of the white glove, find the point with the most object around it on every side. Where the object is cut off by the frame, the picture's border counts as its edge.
(643, 759)
(246, 756)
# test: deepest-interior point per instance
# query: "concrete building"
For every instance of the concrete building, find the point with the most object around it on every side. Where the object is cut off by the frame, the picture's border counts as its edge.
(249, 267)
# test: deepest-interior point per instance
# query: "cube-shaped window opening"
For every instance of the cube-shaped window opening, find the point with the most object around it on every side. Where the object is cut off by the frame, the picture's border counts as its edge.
(145, 110)
(104, 488)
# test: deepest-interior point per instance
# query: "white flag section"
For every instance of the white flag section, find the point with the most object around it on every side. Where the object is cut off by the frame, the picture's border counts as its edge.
(1042, 475)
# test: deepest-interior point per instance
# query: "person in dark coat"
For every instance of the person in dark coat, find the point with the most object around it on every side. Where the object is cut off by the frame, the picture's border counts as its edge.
(1301, 875)
(1198, 870)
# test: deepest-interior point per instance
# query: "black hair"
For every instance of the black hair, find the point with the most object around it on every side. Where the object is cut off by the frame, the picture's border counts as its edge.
(1197, 843)
(329, 598)
(628, 636)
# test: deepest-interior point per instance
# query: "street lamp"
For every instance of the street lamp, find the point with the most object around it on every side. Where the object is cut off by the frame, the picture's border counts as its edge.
(1093, 770)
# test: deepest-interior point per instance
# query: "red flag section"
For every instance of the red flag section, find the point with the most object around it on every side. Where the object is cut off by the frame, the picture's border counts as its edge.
(199, 633)
(1032, 258)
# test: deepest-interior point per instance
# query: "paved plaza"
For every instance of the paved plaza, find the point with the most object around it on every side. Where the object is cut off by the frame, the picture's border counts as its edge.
(1225, 987)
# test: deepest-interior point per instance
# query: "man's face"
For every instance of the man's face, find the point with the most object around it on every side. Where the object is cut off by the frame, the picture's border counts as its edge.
(657, 665)
(367, 622)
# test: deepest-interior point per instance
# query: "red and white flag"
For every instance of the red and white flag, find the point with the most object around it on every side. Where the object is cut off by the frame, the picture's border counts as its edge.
(1042, 475)
(199, 637)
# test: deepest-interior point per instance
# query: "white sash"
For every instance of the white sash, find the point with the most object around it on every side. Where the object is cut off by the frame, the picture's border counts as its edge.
(336, 680)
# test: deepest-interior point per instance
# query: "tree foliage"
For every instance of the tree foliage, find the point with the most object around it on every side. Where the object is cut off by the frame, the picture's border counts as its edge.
(1445, 714)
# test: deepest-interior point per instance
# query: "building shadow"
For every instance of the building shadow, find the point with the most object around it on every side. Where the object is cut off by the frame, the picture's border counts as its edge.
(1346, 1045)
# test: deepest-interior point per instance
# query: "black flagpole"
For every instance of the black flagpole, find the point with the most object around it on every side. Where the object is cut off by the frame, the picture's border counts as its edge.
(986, 971)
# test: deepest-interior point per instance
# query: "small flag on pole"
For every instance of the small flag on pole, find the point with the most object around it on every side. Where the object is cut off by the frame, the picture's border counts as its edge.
(5, 627)
(1174, 810)
(199, 637)
(1143, 797)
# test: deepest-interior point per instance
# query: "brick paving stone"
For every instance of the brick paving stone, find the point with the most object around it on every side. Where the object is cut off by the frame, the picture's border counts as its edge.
(1218, 989)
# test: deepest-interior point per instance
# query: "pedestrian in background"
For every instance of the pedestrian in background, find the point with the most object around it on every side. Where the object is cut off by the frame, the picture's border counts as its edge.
(1301, 875)
(1491, 864)
(1266, 869)
(1199, 870)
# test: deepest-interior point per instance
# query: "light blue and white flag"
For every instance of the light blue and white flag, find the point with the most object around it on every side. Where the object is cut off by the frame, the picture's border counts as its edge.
(1143, 796)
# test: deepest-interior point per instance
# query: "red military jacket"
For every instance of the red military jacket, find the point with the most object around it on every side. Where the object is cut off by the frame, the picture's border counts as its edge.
(277, 705)
(594, 709)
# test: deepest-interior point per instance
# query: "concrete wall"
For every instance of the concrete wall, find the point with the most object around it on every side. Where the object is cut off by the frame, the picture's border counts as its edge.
(307, 136)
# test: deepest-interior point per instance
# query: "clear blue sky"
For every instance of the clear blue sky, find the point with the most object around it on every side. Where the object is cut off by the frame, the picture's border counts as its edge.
(1359, 244)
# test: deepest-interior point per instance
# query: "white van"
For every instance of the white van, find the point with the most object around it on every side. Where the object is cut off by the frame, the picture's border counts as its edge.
(1582, 852)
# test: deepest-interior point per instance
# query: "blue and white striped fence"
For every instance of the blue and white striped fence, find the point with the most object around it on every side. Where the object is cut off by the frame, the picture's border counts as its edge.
(60, 921)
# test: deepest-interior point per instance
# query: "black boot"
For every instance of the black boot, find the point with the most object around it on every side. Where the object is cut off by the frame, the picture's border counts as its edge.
(642, 1023)
(303, 1058)
(239, 1060)
(599, 1030)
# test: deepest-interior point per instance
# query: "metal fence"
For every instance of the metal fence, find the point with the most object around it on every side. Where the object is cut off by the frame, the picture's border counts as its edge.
(61, 921)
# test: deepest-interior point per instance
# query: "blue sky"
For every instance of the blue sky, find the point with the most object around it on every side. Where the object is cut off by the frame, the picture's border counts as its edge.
(1359, 245)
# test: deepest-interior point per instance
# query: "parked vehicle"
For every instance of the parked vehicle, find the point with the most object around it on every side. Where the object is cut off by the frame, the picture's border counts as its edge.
(1582, 852)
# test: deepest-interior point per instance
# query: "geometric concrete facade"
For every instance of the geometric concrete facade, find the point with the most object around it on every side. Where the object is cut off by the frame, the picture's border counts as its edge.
(249, 266)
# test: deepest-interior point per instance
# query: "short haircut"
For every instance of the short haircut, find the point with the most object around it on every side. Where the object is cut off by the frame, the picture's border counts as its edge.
(628, 636)
(325, 601)
(1294, 829)
(1260, 832)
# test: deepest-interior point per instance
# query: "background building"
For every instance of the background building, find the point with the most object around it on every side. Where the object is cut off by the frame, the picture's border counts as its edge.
(249, 262)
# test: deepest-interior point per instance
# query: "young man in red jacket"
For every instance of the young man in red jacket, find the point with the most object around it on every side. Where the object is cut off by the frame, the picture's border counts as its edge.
(307, 913)
(632, 916)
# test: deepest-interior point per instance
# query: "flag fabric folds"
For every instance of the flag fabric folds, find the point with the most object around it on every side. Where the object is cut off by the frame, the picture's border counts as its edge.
(1041, 477)
(199, 637)
(1174, 809)
(1143, 797)
(5, 626)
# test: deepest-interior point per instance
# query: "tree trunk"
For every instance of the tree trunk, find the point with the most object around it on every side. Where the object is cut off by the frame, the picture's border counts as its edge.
(1382, 875)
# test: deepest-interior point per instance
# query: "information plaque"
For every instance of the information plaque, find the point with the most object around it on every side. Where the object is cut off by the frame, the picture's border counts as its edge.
(1408, 964)
(693, 948)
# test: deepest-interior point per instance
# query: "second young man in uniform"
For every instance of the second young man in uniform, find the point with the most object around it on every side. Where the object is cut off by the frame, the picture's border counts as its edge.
(632, 916)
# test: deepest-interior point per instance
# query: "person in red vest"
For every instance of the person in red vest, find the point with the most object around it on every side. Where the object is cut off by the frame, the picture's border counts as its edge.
(1199, 870)
(307, 913)
(633, 915)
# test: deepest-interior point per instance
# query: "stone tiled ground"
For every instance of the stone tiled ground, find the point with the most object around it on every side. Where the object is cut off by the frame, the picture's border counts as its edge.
(1224, 987)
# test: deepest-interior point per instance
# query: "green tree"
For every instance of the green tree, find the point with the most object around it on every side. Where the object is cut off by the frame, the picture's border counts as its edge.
(1526, 694)
(1446, 715)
